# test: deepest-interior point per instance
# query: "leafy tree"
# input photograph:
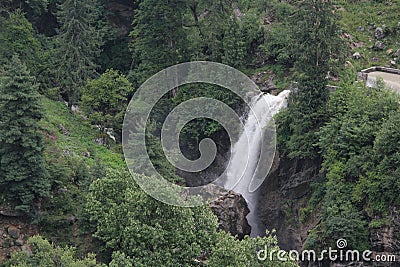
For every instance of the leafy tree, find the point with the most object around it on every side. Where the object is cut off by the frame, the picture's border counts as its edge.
(142, 231)
(149, 232)
(23, 176)
(47, 255)
(79, 42)
(315, 42)
(229, 251)
(380, 186)
(359, 163)
(234, 45)
(105, 100)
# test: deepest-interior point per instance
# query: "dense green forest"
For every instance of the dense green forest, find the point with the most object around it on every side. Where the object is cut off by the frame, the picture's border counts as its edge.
(69, 68)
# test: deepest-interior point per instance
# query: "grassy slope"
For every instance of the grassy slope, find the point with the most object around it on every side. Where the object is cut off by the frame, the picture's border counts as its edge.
(71, 172)
(370, 15)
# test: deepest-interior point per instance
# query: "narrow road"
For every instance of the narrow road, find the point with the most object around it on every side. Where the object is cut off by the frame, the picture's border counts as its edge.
(392, 80)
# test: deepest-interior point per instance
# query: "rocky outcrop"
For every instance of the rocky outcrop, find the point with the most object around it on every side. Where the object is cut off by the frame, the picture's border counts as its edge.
(387, 237)
(265, 81)
(231, 210)
(285, 191)
(14, 233)
(120, 15)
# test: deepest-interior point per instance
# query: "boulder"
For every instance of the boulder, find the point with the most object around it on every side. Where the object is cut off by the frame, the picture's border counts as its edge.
(231, 210)
(379, 45)
(13, 231)
(356, 55)
(19, 242)
(379, 33)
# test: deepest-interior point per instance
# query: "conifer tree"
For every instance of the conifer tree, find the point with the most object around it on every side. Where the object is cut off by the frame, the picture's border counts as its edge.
(159, 40)
(315, 47)
(79, 42)
(23, 176)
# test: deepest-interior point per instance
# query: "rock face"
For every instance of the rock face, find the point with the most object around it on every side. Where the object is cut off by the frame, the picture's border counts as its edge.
(285, 191)
(264, 80)
(120, 15)
(387, 238)
(231, 210)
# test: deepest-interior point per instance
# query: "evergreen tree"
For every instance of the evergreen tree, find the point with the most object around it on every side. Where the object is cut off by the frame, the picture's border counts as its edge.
(22, 171)
(315, 42)
(159, 40)
(79, 43)
(315, 47)
(18, 37)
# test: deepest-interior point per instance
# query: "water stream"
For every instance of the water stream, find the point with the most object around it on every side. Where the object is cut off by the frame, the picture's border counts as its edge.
(245, 159)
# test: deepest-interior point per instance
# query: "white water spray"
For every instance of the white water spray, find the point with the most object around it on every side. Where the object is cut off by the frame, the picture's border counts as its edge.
(245, 159)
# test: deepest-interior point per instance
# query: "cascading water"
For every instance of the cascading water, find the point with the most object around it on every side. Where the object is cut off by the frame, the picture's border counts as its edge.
(245, 158)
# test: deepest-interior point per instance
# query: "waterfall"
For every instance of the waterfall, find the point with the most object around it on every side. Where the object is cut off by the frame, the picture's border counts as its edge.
(245, 155)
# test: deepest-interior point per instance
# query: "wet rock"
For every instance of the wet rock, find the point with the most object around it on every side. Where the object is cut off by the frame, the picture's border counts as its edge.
(231, 210)
(379, 33)
(264, 81)
(13, 231)
(99, 141)
(75, 109)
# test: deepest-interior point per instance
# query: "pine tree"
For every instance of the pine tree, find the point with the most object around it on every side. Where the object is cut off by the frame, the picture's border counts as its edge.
(79, 42)
(23, 176)
(315, 42)
(315, 47)
(158, 36)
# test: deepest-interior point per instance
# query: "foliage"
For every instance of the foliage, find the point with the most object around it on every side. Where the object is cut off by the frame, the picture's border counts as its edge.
(17, 36)
(315, 47)
(229, 251)
(104, 100)
(359, 162)
(150, 232)
(78, 43)
(45, 254)
(22, 171)
(380, 186)
(158, 37)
